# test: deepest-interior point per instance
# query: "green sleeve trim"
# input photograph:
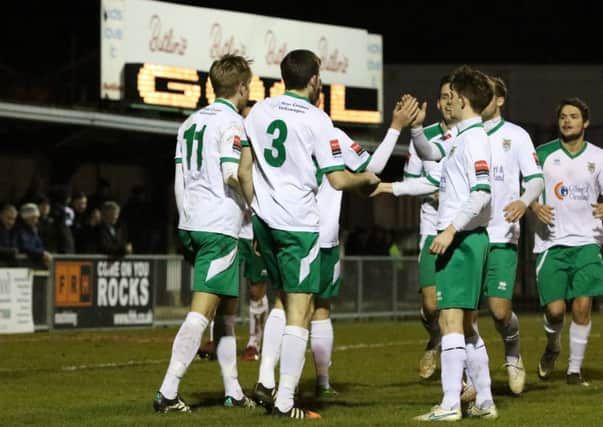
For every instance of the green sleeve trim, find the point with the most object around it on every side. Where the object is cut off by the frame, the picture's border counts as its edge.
(178, 160)
(228, 160)
(481, 187)
(363, 166)
(412, 175)
(332, 169)
(529, 177)
(433, 180)
(245, 143)
(545, 150)
(442, 152)
(433, 131)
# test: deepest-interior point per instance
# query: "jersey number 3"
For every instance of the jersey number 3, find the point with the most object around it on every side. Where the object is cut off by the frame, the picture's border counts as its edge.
(276, 155)
(190, 136)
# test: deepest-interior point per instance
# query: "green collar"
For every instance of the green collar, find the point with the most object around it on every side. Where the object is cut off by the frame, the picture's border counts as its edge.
(226, 102)
(475, 125)
(497, 127)
(570, 155)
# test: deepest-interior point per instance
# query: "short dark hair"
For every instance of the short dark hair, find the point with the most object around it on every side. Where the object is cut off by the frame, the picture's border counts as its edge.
(298, 67)
(227, 73)
(446, 79)
(575, 102)
(500, 88)
(473, 85)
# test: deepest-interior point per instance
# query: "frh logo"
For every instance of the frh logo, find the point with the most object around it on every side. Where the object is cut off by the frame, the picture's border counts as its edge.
(561, 191)
(236, 144)
(357, 148)
(481, 168)
(335, 148)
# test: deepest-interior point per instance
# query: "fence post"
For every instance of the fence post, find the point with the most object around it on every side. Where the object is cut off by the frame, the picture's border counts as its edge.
(359, 290)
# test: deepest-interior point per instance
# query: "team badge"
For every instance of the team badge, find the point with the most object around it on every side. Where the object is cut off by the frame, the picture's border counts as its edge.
(506, 144)
(590, 166)
(335, 148)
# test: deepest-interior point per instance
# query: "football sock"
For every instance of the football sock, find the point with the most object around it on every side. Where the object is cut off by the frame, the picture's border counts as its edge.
(553, 334)
(321, 342)
(578, 342)
(477, 364)
(271, 347)
(226, 352)
(510, 335)
(295, 340)
(452, 357)
(257, 316)
(185, 346)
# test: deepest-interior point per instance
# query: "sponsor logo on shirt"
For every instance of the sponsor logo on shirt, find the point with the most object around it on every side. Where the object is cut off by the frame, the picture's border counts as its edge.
(358, 148)
(556, 162)
(446, 136)
(481, 169)
(499, 173)
(236, 144)
(335, 148)
(572, 192)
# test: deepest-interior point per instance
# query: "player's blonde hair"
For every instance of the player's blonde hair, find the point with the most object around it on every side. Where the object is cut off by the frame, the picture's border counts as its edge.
(227, 73)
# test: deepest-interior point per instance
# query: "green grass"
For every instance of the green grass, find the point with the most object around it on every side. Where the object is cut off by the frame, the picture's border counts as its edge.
(109, 378)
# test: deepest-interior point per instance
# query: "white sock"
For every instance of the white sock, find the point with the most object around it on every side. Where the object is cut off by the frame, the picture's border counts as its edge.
(479, 371)
(321, 341)
(271, 347)
(453, 360)
(226, 351)
(185, 346)
(295, 340)
(510, 334)
(211, 330)
(257, 317)
(578, 341)
(553, 334)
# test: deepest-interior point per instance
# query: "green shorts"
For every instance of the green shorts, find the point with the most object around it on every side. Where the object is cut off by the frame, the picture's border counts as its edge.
(501, 271)
(427, 262)
(330, 273)
(567, 272)
(292, 257)
(254, 268)
(216, 262)
(459, 272)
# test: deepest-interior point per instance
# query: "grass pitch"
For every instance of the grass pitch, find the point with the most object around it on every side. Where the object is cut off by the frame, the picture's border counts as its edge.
(102, 378)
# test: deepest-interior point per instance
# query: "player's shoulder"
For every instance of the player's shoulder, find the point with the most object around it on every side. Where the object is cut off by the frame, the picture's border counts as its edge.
(549, 146)
(594, 150)
(515, 129)
(343, 137)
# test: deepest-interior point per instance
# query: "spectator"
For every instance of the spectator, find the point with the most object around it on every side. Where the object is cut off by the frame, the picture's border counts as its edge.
(86, 239)
(79, 205)
(109, 239)
(63, 217)
(28, 239)
(8, 240)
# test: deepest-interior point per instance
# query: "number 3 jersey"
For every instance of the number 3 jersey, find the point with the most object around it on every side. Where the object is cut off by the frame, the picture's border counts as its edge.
(208, 139)
(572, 183)
(287, 134)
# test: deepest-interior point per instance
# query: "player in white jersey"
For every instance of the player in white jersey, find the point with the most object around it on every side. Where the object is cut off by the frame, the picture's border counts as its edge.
(514, 160)
(287, 134)
(461, 246)
(210, 207)
(569, 236)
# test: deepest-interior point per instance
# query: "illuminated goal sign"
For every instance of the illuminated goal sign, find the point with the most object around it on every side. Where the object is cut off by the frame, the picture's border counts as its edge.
(185, 88)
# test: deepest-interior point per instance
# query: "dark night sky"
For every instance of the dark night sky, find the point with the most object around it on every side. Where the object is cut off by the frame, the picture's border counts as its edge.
(45, 33)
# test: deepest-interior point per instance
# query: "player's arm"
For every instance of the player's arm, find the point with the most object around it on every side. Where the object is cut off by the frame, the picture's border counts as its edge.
(404, 113)
(425, 149)
(245, 173)
(422, 186)
(517, 208)
(179, 181)
(344, 180)
(230, 154)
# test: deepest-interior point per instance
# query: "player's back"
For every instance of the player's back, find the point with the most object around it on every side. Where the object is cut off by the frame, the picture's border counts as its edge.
(287, 133)
(208, 203)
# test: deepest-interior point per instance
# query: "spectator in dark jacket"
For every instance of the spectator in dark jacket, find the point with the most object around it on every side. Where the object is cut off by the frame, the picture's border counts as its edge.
(110, 241)
(28, 239)
(8, 238)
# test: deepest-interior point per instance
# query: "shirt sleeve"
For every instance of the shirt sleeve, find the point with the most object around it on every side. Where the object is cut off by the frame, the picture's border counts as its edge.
(230, 143)
(327, 148)
(477, 163)
(414, 166)
(354, 156)
(529, 163)
(435, 174)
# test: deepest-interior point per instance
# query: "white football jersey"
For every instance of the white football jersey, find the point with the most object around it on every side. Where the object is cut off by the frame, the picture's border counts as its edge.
(287, 134)
(207, 139)
(417, 167)
(572, 182)
(356, 159)
(466, 168)
(513, 158)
